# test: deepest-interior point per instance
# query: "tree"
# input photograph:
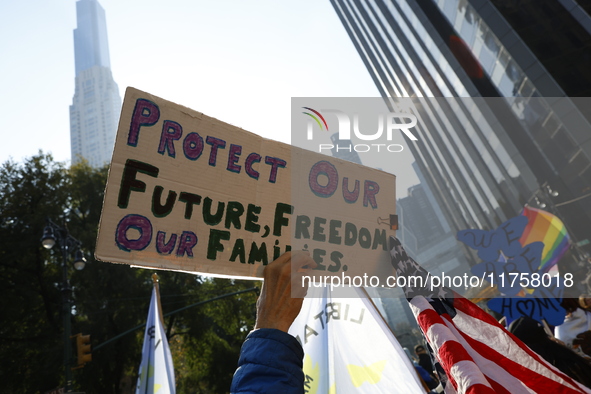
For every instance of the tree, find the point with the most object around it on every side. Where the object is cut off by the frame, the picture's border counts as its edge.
(108, 299)
(29, 336)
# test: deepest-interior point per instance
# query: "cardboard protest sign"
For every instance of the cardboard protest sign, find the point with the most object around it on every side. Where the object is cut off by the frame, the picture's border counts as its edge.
(188, 192)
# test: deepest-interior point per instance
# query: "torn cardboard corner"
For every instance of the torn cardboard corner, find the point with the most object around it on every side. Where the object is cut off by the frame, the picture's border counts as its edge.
(190, 193)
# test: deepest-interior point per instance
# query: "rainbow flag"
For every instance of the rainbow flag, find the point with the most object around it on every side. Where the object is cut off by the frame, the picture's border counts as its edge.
(544, 227)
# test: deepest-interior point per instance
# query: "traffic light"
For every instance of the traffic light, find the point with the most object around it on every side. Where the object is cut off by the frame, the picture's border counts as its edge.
(83, 348)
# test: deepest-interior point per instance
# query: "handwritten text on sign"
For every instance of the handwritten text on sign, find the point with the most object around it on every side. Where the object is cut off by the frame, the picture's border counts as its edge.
(188, 192)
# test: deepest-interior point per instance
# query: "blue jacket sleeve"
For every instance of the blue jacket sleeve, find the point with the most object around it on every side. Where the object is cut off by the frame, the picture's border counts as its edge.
(270, 362)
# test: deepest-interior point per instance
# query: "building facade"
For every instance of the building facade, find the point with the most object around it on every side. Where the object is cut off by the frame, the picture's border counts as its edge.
(96, 105)
(426, 235)
(344, 154)
(497, 88)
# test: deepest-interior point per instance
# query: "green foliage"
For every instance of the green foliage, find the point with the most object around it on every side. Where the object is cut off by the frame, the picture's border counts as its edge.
(30, 333)
(108, 299)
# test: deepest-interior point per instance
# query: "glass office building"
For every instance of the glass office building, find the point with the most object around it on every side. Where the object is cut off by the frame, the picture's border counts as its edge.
(499, 90)
(94, 113)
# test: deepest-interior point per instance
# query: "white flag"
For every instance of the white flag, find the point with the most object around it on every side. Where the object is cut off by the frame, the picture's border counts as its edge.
(156, 371)
(349, 348)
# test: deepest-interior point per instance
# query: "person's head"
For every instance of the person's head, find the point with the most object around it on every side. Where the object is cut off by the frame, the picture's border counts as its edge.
(411, 358)
(420, 349)
(532, 333)
(585, 301)
(570, 304)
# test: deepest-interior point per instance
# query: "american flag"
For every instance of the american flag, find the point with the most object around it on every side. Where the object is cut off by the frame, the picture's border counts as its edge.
(476, 352)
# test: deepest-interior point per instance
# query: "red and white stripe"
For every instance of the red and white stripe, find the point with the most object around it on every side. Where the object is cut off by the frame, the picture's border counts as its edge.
(481, 356)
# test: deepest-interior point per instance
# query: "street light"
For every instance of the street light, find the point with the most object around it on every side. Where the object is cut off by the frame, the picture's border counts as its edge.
(68, 245)
(79, 260)
(551, 192)
(540, 204)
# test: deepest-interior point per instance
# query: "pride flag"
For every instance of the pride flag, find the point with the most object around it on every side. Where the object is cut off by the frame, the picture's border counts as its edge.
(544, 227)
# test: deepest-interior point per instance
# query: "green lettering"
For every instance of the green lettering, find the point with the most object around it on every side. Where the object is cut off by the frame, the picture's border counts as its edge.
(216, 218)
(279, 220)
(379, 238)
(301, 228)
(239, 251)
(333, 233)
(214, 245)
(258, 254)
(233, 213)
(158, 209)
(251, 218)
(350, 234)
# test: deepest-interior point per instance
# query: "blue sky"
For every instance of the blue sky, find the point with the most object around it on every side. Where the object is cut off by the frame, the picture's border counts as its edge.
(239, 61)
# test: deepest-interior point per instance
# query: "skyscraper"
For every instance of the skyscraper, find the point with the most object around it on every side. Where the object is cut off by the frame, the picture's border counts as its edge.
(509, 134)
(426, 235)
(94, 113)
(345, 152)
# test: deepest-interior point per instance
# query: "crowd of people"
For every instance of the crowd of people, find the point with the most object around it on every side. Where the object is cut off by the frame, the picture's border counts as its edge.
(271, 360)
(566, 346)
(425, 369)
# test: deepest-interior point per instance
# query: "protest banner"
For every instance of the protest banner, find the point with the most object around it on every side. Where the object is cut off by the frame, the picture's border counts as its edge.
(349, 347)
(188, 192)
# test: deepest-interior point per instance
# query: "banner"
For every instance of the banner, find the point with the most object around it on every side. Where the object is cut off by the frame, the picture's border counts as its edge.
(188, 192)
(349, 348)
(156, 370)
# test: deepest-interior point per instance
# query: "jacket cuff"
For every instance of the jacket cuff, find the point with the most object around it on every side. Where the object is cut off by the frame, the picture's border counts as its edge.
(270, 361)
(278, 339)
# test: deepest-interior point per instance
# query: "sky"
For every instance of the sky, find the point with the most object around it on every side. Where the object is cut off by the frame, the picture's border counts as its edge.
(238, 61)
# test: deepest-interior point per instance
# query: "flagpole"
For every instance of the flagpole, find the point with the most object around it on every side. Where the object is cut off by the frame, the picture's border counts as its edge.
(155, 279)
(376, 308)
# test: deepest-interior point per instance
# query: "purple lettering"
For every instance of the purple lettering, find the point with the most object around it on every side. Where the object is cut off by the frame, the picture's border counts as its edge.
(170, 131)
(163, 247)
(349, 196)
(235, 151)
(370, 190)
(250, 160)
(186, 244)
(275, 164)
(215, 144)
(145, 113)
(193, 146)
(141, 224)
(327, 169)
